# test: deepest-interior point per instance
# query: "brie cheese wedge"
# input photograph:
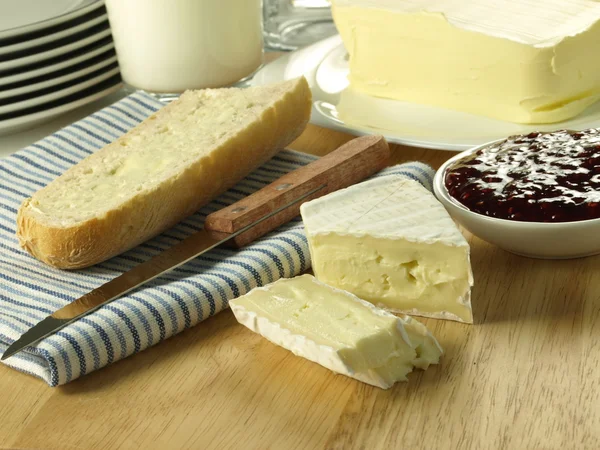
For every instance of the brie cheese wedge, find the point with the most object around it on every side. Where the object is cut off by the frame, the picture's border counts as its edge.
(521, 61)
(337, 330)
(389, 241)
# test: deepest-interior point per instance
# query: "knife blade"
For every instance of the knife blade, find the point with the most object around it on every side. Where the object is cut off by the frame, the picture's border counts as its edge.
(236, 225)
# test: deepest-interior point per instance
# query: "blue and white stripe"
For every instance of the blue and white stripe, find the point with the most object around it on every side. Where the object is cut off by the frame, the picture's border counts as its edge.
(30, 290)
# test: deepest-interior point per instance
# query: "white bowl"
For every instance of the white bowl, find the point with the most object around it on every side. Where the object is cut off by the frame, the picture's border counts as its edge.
(561, 240)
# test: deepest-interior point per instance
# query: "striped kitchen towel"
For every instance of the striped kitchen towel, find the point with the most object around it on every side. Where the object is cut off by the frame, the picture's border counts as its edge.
(178, 300)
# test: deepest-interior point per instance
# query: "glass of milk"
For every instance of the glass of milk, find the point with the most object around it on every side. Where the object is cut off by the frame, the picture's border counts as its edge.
(168, 46)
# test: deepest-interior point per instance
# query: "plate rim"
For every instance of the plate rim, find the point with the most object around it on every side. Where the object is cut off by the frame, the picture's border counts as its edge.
(57, 95)
(49, 38)
(55, 52)
(14, 125)
(54, 81)
(57, 66)
(90, 5)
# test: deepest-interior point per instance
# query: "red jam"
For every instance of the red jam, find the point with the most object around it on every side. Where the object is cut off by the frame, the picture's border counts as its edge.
(539, 177)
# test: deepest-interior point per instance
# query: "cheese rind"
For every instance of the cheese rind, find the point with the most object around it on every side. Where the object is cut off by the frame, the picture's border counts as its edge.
(513, 60)
(337, 330)
(389, 241)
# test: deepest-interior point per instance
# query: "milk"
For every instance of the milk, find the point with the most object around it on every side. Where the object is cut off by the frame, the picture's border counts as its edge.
(174, 45)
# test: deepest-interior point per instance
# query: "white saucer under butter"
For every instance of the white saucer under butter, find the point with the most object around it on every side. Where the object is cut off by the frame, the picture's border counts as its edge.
(325, 66)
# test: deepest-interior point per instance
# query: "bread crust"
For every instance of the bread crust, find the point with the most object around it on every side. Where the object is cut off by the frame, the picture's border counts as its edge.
(150, 213)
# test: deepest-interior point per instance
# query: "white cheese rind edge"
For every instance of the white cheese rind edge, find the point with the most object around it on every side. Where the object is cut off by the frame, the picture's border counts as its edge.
(456, 240)
(445, 315)
(307, 348)
(314, 227)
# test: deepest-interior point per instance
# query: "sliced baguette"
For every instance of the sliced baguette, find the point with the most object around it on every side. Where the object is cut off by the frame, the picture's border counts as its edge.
(160, 172)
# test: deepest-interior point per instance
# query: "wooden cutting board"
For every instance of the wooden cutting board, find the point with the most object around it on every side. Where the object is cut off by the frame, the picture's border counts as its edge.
(526, 375)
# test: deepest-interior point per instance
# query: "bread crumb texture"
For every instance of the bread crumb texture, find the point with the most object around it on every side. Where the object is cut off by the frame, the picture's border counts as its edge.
(160, 172)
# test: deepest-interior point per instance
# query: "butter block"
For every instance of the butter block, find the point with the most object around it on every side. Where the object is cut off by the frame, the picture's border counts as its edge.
(515, 60)
(389, 241)
(337, 330)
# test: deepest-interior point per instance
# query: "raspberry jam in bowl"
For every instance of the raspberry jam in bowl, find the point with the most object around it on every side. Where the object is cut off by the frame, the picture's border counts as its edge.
(536, 195)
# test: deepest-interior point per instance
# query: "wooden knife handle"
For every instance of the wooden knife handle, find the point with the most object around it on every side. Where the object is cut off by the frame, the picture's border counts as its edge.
(349, 164)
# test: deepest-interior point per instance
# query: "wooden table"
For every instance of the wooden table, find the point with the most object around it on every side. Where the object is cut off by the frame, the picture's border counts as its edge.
(526, 375)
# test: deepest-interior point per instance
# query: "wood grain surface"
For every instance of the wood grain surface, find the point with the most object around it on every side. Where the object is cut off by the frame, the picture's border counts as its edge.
(526, 375)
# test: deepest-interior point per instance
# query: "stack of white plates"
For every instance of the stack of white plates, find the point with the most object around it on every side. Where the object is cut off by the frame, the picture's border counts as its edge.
(55, 55)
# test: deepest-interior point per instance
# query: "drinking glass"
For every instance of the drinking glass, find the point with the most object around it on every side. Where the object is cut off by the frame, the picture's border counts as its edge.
(165, 47)
(290, 24)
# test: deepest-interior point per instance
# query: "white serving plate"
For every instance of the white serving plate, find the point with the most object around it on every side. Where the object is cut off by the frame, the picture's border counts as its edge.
(325, 66)
(20, 17)
(32, 43)
(30, 103)
(38, 57)
(20, 123)
(68, 62)
(58, 80)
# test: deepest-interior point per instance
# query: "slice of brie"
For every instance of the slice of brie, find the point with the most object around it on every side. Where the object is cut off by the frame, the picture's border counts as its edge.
(389, 241)
(516, 60)
(337, 330)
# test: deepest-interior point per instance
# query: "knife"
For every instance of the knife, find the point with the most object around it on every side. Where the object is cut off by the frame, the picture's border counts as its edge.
(236, 225)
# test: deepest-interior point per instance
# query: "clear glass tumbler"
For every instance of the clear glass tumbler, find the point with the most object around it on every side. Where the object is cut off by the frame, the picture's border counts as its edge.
(290, 24)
